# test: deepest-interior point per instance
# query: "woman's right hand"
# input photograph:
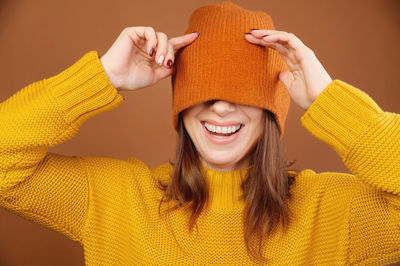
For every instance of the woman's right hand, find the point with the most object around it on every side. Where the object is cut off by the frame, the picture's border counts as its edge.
(129, 63)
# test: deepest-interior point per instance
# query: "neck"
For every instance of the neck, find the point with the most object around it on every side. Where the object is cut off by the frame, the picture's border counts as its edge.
(225, 188)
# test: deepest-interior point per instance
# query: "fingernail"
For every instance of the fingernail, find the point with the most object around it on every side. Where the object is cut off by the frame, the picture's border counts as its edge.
(160, 60)
(253, 29)
(169, 63)
(151, 52)
(247, 33)
(198, 33)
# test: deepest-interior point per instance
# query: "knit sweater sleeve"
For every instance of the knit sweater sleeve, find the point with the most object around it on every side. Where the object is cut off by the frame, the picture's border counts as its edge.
(48, 188)
(368, 141)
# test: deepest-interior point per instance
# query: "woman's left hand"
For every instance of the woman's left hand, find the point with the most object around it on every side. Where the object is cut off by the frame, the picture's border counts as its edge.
(307, 78)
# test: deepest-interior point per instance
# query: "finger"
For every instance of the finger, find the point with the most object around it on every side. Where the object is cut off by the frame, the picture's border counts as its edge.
(288, 39)
(162, 47)
(265, 42)
(169, 58)
(181, 41)
(262, 32)
(143, 35)
(163, 72)
(151, 37)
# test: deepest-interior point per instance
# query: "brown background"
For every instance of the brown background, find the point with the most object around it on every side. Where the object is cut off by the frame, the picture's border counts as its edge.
(356, 41)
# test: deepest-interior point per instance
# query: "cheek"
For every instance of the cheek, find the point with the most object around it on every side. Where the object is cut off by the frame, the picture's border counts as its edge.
(188, 122)
(253, 135)
(259, 124)
(195, 132)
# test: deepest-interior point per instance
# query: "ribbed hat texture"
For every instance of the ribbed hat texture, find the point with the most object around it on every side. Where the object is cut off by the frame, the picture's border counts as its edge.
(222, 64)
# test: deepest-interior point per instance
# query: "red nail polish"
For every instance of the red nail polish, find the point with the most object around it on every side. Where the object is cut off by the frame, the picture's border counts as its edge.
(253, 29)
(247, 33)
(169, 63)
(151, 52)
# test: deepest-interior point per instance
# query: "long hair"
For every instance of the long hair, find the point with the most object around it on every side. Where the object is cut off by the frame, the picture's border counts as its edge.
(265, 188)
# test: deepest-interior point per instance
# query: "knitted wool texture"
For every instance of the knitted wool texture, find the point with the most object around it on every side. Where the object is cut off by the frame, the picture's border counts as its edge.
(222, 64)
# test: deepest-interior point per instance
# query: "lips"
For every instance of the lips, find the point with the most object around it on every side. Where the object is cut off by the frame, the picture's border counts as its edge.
(222, 124)
(222, 138)
(221, 131)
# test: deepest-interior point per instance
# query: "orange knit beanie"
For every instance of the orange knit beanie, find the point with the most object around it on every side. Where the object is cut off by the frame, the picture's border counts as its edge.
(222, 64)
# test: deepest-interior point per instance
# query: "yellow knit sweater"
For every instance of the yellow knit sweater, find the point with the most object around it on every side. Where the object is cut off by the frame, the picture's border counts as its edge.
(110, 206)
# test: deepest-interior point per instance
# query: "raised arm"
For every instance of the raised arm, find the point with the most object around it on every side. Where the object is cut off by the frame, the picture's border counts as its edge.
(344, 117)
(364, 136)
(47, 188)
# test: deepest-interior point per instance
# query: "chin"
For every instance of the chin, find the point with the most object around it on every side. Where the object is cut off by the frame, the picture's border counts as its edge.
(221, 161)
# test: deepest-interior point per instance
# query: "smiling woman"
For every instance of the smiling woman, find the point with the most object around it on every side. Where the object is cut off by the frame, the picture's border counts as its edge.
(257, 143)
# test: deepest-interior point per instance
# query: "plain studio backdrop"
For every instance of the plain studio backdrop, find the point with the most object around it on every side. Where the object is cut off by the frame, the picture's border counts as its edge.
(356, 41)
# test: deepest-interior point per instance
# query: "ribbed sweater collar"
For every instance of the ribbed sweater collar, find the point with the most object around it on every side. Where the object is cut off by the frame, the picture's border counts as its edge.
(225, 188)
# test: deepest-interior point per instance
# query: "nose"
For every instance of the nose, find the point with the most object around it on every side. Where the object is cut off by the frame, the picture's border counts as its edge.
(222, 108)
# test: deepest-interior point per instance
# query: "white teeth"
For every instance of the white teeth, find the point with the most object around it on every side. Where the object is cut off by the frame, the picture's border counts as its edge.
(219, 129)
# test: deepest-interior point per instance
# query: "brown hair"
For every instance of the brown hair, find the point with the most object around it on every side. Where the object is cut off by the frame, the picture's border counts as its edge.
(264, 190)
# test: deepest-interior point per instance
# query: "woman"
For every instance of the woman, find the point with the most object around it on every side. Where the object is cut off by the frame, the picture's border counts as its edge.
(227, 198)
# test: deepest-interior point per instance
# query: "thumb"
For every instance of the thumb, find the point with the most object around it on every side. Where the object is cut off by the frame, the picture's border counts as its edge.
(287, 78)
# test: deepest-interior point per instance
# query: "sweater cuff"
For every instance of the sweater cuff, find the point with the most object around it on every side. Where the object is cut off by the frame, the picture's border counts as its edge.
(84, 90)
(339, 115)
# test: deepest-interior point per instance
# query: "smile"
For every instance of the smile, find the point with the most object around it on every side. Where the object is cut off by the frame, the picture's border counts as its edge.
(221, 134)
(221, 129)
